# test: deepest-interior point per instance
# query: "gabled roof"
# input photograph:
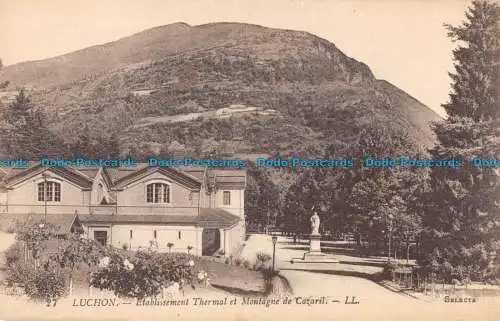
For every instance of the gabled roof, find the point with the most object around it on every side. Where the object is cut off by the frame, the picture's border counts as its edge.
(177, 175)
(190, 176)
(17, 175)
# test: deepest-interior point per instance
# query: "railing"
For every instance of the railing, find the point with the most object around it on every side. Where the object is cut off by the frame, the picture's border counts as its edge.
(154, 209)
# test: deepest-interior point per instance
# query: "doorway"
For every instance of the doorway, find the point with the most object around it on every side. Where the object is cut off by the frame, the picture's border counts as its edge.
(101, 237)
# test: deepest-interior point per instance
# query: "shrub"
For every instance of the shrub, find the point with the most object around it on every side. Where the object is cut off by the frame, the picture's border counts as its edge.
(227, 261)
(263, 257)
(46, 285)
(14, 254)
(143, 274)
(125, 246)
(238, 261)
(246, 264)
(19, 273)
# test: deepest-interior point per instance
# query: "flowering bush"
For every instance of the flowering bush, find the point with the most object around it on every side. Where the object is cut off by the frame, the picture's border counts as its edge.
(143, 274)
(34, 234)
(203, 277)
(46, 285)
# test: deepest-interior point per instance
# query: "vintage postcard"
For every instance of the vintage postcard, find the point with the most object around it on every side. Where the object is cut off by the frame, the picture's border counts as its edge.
(249, 160)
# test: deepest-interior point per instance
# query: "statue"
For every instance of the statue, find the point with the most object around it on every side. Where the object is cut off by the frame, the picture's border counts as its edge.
(315, 223)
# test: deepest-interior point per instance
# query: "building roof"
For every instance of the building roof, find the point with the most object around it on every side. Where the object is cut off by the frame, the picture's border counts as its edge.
(191, 176)
(140, 219)
(208, 218)
(62, 222)
(216, 218)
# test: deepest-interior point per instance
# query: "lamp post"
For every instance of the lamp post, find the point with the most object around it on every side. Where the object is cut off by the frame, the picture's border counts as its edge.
(390, 238)
(45, 196)
(275, 239)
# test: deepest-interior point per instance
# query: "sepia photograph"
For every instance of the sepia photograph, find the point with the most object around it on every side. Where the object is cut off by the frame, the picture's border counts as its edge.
(249, 160)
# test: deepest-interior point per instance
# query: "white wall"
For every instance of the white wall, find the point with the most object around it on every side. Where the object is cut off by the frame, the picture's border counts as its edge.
(232, 238)
(3, 202)
(23, 198)
(180, 202)
(236, 206)
(143, 234)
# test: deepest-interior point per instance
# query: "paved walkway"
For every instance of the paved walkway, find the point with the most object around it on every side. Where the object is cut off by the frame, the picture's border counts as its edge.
(286, 251)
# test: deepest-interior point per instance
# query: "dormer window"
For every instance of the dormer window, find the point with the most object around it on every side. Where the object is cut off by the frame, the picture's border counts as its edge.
(49, 191)
(158, 193)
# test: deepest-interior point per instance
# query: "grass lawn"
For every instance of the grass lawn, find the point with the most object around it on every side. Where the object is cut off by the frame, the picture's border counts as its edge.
(231, 276)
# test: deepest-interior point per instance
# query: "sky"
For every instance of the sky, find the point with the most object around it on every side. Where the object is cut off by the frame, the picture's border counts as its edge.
(402, 41)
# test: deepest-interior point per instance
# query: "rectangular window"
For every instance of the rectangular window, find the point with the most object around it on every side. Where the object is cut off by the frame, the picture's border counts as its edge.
(179, 236)
(154, 234)
(158, 193)
(49, 191)
(41, 192)
(57, 192)
(130, 232)
(149, 193)
(226, 198)
(101, 237)
(166, 194)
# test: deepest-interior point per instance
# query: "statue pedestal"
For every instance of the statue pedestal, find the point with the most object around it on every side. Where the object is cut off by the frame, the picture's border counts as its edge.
(315, 243)
(315, 255)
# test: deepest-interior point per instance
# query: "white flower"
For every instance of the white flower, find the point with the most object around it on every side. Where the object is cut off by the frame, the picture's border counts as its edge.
(129, 266)
(202, 275)
(104, 262)
(191, 263)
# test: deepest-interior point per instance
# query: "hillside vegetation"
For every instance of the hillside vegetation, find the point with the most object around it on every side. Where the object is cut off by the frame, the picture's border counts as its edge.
(318, 95)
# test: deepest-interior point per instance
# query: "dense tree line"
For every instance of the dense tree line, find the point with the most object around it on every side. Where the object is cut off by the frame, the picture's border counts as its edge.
(363, 201)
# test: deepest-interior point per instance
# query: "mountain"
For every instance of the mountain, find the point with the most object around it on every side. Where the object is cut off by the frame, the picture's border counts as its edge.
(228, 88)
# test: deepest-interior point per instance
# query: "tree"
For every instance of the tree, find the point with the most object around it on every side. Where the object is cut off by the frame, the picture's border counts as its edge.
(25, 132)
(475, 79)
(461, 222)
(262, 203)
(302, 198)
(369, 196)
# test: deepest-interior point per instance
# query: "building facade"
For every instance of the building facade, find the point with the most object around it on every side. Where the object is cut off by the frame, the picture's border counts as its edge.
(193, 209)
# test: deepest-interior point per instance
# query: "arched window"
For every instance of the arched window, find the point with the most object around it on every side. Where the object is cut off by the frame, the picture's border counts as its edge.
(49, 191)
(158, 193)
